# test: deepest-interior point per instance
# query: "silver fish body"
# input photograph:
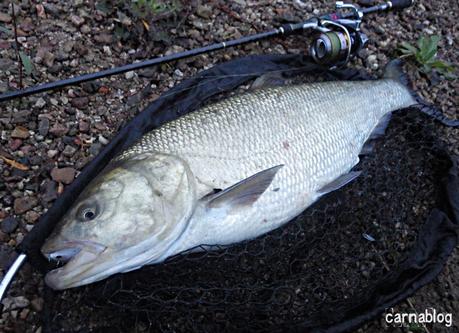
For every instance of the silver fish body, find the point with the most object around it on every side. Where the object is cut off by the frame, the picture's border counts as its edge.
(312, 133)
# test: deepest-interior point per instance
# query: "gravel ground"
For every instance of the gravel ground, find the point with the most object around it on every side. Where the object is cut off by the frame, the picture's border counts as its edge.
(54, 135)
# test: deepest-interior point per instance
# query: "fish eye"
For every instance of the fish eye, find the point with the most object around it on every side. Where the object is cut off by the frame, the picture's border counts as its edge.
(87, 213)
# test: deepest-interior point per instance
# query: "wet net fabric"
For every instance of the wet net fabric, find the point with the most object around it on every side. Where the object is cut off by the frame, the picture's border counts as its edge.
(345, 259)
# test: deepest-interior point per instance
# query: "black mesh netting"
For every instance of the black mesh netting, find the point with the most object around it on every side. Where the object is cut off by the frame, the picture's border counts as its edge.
(348, 257)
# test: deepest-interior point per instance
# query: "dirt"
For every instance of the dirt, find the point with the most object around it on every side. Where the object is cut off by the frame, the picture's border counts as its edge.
(55, 134)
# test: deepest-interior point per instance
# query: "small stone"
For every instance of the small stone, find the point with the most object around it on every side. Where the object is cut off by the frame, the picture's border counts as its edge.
(31, 216)
(80, 102)
(107, 50)
(178, 73)
(7, 257)
(5, 18)
(24, 313)
(76, 20)
(9, 225)
(20, 302)
(58, 129)
(49, 190)
(63, 175)
(103, 140)
(40, 103)
(40, 11)
(129, 75)
(95, 148)
(148, 72)
(43, 126)
(23, 204)
(83, 126)
(37, 304)
(3, 237)
(85, 29)
(48, 59)
(15, 144)
(69, 151)
(371, 58)
(204, 11)
(20, 132)
(52, 153)
(103, 38)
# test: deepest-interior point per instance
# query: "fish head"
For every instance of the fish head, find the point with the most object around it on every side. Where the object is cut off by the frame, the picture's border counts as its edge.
(128, 216)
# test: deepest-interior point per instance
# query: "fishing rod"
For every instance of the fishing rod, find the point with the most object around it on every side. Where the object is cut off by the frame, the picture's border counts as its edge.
(339, 38)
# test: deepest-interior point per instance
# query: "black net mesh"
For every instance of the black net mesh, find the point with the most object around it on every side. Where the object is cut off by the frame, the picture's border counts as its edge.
(310, 274)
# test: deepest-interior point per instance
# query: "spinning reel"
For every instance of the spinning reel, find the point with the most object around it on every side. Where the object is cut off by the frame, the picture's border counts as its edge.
(339, 34)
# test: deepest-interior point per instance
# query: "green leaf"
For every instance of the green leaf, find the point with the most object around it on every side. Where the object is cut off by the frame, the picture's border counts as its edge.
(439, 64)
(428, 49)
(5, 30)
(28, 67)
(407, 48)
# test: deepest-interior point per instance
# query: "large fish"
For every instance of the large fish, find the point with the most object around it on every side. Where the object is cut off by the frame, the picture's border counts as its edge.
(228, 172)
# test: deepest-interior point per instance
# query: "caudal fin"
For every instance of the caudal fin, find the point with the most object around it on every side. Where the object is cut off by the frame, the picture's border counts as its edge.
(394, 71)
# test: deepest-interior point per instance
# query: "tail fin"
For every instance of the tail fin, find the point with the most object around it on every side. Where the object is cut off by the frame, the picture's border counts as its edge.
(393, 71)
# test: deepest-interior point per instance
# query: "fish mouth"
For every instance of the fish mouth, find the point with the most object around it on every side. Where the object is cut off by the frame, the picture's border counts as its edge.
(73, 257)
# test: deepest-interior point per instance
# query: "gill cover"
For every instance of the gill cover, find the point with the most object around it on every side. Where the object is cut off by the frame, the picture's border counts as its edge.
(145, 204)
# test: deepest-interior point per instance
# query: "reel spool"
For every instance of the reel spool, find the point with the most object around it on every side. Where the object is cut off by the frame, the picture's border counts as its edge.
(330, 47)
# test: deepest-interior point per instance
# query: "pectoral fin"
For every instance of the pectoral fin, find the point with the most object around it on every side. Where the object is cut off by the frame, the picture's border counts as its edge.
(245, 192)
(339, 182)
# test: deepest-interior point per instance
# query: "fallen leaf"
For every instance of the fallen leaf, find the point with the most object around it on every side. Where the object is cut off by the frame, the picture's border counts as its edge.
(145, 24)
(15, 164)
(26, 62)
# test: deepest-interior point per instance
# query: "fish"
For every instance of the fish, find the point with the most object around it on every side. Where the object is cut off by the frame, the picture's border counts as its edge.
(228, 172)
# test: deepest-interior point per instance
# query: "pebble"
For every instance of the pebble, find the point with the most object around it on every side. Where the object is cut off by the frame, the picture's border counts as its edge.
(15, 144)
(129, 75)
(5, 18)
(103, 140)
(63, 175)
(7, 256)
(31, 216)
(80, 102)
(58, 129)
(103, 38)
(24, 313)
(52, 153)
(85, 29)
(49, 190)
(48, 59)
(83, 126)
(37, 304)
(9, 225)
(95, 148)
(20, 302)
(76, 20)
(178, 73)
(23, 204)
(69, 151)
(43, 126)
(40, 103)
(20, 132)
(204, 11)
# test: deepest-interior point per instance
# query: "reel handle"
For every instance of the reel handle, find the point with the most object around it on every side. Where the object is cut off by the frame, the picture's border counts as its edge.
(401, 4)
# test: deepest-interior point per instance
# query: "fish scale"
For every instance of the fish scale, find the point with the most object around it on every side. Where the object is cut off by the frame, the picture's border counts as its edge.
(315, 130)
